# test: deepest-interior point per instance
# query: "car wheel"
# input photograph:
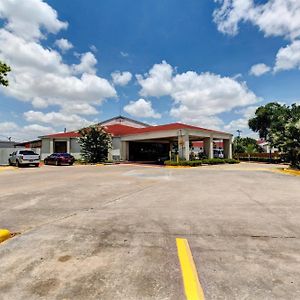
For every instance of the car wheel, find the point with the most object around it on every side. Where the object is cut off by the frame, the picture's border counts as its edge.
(57, 163)
(71, 164)
(9, 162)
(45, 162)
(18, 164)
(37, 165)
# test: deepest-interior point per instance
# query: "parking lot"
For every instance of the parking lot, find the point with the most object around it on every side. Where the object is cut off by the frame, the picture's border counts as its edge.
(109, 232)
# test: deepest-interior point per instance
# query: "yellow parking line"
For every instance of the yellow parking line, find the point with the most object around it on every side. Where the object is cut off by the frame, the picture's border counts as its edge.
(4, 235)
(288, 172)
(192, 286)
(7, 168)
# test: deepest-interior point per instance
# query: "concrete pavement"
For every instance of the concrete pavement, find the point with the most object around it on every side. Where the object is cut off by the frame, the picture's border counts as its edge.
(110, 232)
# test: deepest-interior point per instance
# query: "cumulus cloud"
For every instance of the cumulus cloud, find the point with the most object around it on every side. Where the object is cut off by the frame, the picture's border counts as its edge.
(71, 121)
(259, 69)
(273, 18)
(242, 122)
(87, 64)
(80, 109)
(141, 109)
(197, 98)
(158, 82)
(63, 44)
(23, 133)
(121, 78)
(29, 19)
(39, 74)
(288, 57)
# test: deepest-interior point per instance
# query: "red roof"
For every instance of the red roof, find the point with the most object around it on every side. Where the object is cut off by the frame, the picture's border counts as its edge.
(70, 134)
(121, 130)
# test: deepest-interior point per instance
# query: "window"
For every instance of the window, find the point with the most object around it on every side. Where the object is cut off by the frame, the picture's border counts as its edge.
(27, 152)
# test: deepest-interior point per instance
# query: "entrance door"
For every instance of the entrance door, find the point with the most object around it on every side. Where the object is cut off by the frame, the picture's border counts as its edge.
(60, 146)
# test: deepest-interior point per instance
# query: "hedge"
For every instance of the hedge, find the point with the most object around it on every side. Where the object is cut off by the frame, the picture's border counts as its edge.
(196, 163)
(262, 159)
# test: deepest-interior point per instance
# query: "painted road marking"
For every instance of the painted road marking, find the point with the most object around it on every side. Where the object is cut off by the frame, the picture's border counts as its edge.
(192, 286)
(4, 235)
(287, 172)
(7, 168)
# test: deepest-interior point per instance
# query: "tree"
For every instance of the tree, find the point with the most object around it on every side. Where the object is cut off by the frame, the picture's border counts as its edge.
(245, 145)
(95, 143)
(4, 69)
(280, 126)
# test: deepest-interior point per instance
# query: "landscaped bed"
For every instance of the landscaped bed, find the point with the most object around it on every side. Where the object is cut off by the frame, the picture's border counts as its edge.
(196, 163)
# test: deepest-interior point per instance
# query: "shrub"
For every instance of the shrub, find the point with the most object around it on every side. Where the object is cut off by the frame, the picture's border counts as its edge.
(213, 161)
(187, 163)
(231, 161)
(196, 163)
(262, 159)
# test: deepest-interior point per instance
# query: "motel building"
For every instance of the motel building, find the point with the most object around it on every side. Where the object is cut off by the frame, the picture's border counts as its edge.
(136, 141)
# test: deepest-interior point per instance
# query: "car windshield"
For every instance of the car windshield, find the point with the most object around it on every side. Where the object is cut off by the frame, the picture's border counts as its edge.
(27, 152)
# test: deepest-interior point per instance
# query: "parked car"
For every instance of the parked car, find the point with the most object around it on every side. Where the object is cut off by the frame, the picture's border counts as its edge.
(59, 159)
(24, 157)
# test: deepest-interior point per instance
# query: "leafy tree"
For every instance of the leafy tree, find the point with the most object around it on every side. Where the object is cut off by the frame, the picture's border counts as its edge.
(280, 126)
(95, 143)
(245, 145)
(4, 69)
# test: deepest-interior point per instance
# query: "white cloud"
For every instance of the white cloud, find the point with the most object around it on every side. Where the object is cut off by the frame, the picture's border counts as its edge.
(87, 64)
(80, 109)
(197, 98)
(141, 109)
(39, 74)
(274, 18)
(23, 133)
(259, 69)
(63, 44)
(124, 54)
(158, 82)
(70, 121)
(288, 57)
(242, 122)
(28, 19)
(121, 78)
(93, 48)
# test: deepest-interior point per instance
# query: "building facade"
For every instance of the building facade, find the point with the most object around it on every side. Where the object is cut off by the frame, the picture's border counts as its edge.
(136, 141)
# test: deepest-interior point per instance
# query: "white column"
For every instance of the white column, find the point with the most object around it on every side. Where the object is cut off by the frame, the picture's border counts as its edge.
(209, 147)
(186, 146)
(69, 145)
(180, 146)
(125, 151)
(51, 146)
(227, 148)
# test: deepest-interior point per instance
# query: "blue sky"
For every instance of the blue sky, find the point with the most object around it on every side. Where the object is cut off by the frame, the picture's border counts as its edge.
(194, 59)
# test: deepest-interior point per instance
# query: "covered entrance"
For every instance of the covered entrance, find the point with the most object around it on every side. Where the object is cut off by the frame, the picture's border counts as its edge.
(148, 151)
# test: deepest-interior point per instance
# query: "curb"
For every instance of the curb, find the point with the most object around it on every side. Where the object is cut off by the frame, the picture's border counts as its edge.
(4, 235)
(290, 172)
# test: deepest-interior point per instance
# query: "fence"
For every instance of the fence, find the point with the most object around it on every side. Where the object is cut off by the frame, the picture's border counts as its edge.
(4, 155)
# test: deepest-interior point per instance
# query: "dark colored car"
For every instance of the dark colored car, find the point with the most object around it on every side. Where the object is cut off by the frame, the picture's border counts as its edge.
(59, 159)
